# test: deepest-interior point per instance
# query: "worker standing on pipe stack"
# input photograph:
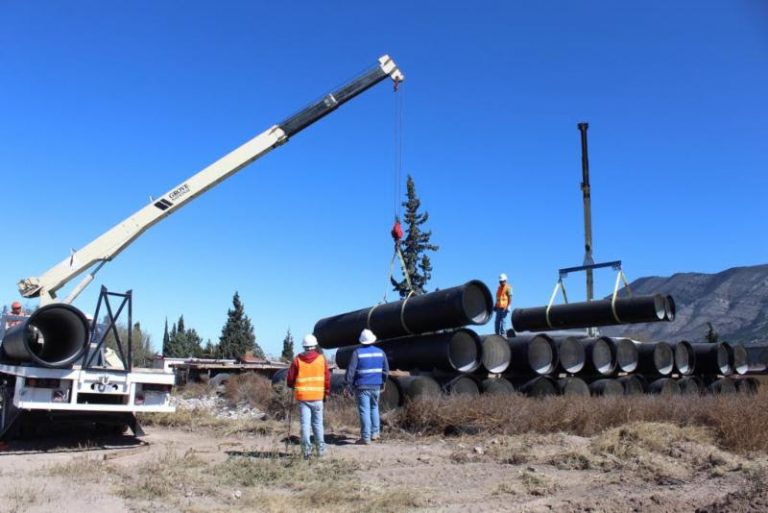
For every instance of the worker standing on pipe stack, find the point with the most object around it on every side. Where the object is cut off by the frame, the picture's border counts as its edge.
(503, 303)
(311, 382)
(367, 373)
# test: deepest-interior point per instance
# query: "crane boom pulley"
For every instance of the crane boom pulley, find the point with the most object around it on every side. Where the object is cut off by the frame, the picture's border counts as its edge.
(108, 245)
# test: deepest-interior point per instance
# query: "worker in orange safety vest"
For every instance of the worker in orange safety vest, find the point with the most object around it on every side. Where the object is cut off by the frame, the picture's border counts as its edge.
(503, 303)
(310, 380)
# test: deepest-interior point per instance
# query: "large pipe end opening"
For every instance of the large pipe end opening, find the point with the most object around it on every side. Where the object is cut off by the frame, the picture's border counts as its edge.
(627, 354)
(660, 305)
(603, 357)
(477, 302)
(573, 387)
(740, 362)
(663, 358)
(496, 354)
(669, 308)
(542, 355)
(571, 354)
(664, 386)
(464, 386)
(54, 336)
(463, 351)
(724, 359)
(685, 358)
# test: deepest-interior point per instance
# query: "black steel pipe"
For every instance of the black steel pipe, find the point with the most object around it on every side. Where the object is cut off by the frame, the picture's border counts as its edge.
(712, 359)
(571, 355)
(466, 304)
(656, 358)
(723, 385)
(540, 386)
(532, 354)
(670, 310)
(633, 385)
(627, 354)
(737, 358)
(450, 351)
(746, 385)
(391, 397)
(417, 387)
(601, 356)
(459, 385)
(497, 386)
(496, 353)
(53, 336)
(606, 387)
(664, 386)
(572, 386)
(628, 310)
(685, 358)
(691, 385)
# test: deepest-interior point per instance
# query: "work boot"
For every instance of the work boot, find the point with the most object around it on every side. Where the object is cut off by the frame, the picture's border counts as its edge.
(363, 441)
(376, 437)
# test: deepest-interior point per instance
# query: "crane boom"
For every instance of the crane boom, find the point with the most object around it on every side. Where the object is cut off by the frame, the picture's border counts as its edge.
(108, 245)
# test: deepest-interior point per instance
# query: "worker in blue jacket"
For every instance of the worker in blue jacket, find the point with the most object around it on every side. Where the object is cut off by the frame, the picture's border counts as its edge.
(367, 374)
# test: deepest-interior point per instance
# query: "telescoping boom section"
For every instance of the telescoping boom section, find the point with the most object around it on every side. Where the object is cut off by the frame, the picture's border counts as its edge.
(109, 244)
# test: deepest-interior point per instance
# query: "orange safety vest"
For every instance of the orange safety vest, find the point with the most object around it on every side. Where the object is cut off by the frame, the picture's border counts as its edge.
(310, 380)
(502, 296)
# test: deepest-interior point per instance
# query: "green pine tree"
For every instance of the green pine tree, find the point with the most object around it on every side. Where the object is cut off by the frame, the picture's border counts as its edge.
(166, 338)
(183, 342)
(287, 354)
(237, 337)
(415, 245)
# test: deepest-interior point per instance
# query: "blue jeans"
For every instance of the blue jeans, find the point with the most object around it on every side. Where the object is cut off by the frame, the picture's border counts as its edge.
(368, 410)
(312, 420)
(501, 314)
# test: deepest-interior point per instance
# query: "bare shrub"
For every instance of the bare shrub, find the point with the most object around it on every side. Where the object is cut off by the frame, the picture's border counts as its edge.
(736, 421)
(252, 389)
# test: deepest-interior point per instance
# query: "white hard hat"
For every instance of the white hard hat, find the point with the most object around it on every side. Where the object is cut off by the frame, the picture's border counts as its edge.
(367, 337)
(502, 277)
(309, 341)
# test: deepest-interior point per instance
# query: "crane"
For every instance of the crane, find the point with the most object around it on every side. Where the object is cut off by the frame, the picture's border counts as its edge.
(108, 245)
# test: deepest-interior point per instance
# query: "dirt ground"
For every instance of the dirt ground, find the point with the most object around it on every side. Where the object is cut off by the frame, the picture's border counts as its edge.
(637, 468)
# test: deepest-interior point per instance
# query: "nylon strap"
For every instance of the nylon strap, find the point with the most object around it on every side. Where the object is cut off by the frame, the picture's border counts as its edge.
(619, 277)
(558, 286)
(402, 314)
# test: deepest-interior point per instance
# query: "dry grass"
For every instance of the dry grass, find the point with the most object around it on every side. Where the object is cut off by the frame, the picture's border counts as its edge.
(737, 422)
(249, 388)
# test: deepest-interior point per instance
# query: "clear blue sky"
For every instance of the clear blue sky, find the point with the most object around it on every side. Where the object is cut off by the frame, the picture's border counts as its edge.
(103, 104)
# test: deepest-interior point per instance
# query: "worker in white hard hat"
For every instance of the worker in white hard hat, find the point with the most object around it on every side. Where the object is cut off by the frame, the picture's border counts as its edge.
(367, 373)
(310, 380)
(16, 312)
(503, 303)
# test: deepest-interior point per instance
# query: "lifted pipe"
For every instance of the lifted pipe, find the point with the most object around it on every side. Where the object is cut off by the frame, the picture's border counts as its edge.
(466, 304)
(451, 351)
(685, 358)
(417, 387)
(670, 310)
(497, 386)
(571, 355)
(606, 387)
(54, 336)
(601, 356)
(664, 386)
(656, 358)
(633, 385)
(628, 310)
(535, 354)
(496, 353)
(539, 386)
(572, 386)
(712, 359)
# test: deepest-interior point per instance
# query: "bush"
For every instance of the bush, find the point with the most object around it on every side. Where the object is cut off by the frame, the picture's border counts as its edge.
(737, 421)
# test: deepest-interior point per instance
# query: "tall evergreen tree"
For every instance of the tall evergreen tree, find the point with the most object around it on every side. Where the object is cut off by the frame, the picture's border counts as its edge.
(415, 245)
(183, 342)
(287, 354)
(237, 337)
(166, 338)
